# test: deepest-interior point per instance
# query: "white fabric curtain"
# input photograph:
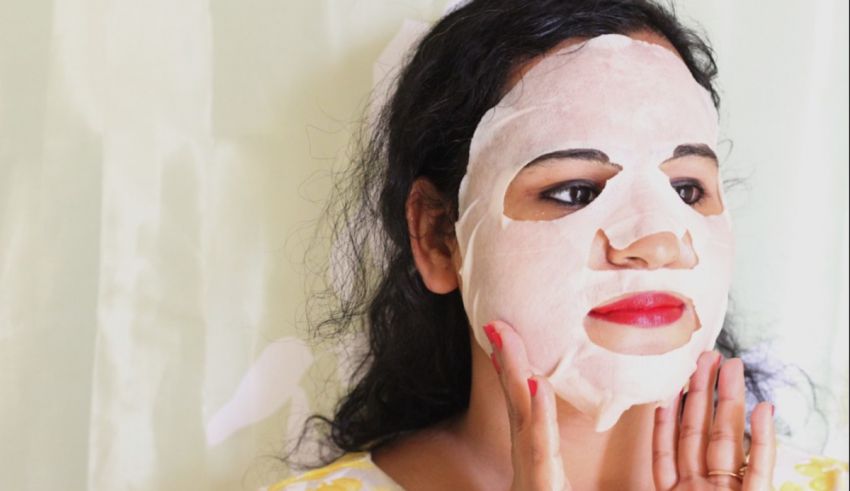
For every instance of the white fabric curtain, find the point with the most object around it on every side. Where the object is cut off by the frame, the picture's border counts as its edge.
(162, 164)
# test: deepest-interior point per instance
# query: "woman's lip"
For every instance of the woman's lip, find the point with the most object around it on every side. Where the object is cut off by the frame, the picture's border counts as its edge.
(647, 309)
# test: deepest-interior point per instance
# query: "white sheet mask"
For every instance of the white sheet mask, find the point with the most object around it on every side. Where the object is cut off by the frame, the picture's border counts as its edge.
(636, 102)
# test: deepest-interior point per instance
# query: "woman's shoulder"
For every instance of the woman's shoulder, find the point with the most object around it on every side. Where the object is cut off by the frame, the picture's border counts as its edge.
(351, 472)
(800, 471)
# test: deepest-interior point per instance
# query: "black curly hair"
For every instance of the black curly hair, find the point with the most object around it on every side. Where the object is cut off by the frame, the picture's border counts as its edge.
(416, 368)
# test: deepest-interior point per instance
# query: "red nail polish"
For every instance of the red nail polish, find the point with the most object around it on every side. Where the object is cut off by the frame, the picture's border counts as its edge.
(532, 386)
(493, 336)
(495, 363)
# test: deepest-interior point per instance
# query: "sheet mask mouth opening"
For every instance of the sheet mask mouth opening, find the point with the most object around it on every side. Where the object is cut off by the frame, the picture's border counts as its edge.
(644, 323)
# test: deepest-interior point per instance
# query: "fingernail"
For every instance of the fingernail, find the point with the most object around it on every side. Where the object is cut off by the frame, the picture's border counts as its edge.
(493, 336)
(532, 386)
(495, 363)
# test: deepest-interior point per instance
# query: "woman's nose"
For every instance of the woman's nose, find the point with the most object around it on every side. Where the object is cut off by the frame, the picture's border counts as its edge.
(655, 251)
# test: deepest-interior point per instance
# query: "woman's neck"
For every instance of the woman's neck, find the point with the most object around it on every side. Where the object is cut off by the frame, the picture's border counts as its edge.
(620, 458)
(473, 451)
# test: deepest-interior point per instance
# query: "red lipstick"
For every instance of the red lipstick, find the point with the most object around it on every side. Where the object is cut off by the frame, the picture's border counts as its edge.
(647, 309)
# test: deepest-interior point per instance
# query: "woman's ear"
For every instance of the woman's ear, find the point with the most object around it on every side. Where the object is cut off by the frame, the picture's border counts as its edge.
(433, 248)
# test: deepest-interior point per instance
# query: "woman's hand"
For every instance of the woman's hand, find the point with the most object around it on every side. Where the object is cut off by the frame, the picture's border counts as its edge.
(685, 451)
(535, 442)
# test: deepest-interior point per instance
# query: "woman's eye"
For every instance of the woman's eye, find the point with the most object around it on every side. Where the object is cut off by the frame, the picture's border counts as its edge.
(690, 191)
(574, 193)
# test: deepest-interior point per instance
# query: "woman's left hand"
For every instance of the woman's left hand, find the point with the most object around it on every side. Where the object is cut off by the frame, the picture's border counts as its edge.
(685, 451)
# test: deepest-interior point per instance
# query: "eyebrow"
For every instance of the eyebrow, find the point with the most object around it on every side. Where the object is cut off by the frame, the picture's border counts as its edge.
(695, 149)
(590, 154)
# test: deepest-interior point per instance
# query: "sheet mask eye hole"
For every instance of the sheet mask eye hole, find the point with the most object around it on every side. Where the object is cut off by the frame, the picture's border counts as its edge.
(690, 192)
(573, 194)
(558, 183)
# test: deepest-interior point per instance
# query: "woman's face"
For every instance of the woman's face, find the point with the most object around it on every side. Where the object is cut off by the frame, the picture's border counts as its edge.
(551, 188)
(592, 220)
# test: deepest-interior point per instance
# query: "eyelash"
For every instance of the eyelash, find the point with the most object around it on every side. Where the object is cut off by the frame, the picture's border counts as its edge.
(595, 189)
(693, 183)
(549, 194)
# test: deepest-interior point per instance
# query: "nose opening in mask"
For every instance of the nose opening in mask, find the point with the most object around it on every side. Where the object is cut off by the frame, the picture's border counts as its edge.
(650, 251)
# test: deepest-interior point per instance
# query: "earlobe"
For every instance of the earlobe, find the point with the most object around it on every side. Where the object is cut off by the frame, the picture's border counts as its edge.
(432, 249)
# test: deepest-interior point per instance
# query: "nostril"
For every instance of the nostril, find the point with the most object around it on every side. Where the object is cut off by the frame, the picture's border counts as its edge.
(636, 262)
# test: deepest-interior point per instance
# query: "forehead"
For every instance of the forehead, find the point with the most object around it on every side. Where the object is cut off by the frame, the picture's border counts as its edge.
(645, 35)
(609, 92)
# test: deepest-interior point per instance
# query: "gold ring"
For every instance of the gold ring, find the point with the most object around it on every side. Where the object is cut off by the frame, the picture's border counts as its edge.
(739, 476)
(743, 469)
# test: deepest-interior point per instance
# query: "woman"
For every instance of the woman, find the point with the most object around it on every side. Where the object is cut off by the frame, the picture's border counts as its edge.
(515, 121)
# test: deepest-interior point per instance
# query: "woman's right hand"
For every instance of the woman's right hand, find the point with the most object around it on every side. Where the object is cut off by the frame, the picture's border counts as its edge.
(535, 442)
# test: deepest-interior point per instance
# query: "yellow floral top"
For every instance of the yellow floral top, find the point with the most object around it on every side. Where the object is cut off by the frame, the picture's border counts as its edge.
(351, 472)
(795, 471)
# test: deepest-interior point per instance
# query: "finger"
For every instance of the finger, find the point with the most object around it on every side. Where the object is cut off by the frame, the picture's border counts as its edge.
(759, 475)
(726, 439)
(664, 440)
(535, 441)
(545, 466)
(510, 357)
(696, 419)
